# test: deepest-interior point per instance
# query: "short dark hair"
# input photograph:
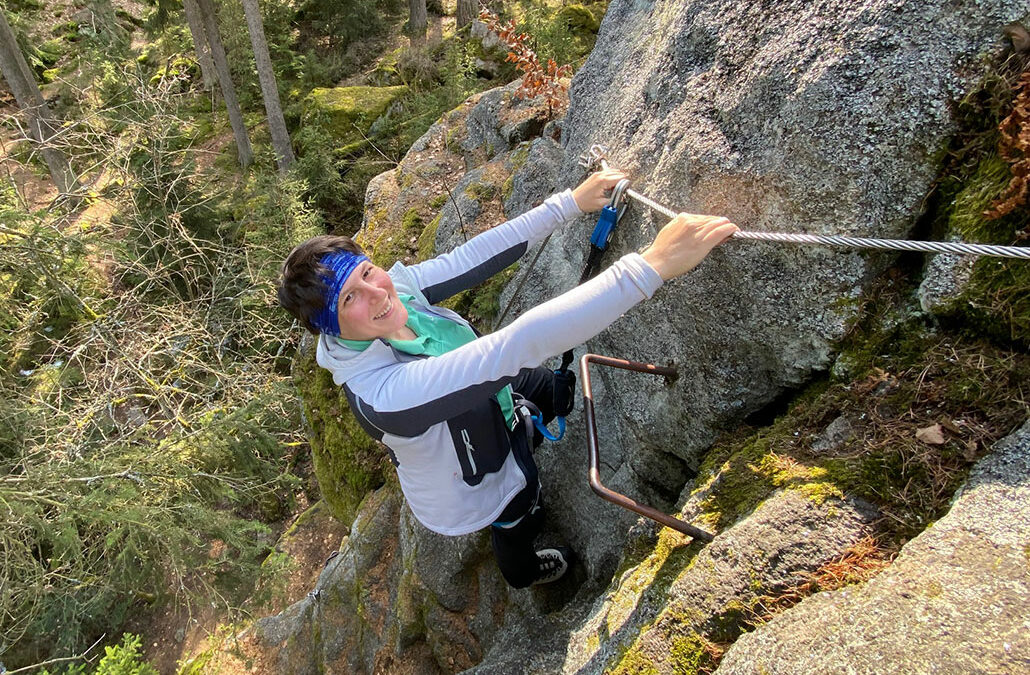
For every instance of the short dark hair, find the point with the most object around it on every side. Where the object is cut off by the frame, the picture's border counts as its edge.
(301, 289)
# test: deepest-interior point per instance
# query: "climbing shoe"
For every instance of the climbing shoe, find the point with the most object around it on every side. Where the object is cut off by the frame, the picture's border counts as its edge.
(554, 562)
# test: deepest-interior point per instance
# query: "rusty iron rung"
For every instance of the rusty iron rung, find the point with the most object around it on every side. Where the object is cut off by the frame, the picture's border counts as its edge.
(594, 454)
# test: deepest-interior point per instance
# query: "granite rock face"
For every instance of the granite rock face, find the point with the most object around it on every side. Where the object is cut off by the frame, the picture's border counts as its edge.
(765, 554)
(956, 600)
(825, 117)
(397, 598)
(945, 279)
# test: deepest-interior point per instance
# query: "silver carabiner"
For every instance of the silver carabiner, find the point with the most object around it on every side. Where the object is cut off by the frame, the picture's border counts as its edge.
(618, 201)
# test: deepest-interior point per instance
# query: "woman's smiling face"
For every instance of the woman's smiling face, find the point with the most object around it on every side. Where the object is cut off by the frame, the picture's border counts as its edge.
(368, 306)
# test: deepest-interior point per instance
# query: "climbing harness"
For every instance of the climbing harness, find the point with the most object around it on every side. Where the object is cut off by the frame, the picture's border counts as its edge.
(597, 155)
(564, 386)
(564, 379)
(595, 457)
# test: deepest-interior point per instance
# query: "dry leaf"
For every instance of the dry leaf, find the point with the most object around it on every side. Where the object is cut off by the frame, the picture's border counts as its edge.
(931, 435)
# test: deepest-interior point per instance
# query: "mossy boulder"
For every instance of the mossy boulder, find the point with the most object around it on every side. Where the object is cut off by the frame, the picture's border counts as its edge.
(386, 72)
(347, 113)
(579, 18)
(954, 601)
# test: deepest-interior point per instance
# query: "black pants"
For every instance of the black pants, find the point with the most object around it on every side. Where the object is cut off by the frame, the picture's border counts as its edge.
(513, 546)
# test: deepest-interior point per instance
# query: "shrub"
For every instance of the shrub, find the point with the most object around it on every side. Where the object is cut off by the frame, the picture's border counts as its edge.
(124, 658)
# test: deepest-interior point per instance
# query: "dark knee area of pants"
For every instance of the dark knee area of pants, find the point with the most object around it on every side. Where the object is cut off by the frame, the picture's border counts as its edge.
(514, 546)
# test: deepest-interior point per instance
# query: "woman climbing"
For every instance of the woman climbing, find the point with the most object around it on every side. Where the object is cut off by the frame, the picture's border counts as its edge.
(451, 407)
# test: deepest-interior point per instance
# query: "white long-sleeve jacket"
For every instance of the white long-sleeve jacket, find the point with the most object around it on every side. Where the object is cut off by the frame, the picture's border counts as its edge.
(438, 415)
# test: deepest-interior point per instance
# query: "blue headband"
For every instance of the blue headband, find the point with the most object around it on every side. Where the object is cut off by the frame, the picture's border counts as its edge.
(340, 264)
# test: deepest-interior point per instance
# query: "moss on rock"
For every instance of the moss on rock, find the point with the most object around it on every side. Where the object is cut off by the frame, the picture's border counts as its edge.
(902, 378)
(996, 300)
(481, 304)
(350, 111)
(692, 653)
(579, 18)
(427, 240)
(348, 463)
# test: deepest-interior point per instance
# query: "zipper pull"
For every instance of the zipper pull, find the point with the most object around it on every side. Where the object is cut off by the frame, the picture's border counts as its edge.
(468, 448)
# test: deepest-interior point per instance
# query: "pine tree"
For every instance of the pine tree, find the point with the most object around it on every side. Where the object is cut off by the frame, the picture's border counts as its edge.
(466, 13)
(196, 24)
(42, 125)
(232, 105)
(269, 88)
(417, 21)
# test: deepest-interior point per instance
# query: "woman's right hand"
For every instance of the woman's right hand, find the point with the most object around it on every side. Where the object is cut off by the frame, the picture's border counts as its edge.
(595, 191)
(685, 241)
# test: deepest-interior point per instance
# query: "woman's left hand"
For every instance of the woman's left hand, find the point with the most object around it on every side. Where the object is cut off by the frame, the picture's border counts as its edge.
(595, 192)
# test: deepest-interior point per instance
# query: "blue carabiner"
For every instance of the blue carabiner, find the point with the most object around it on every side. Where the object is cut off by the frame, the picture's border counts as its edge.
(610, 216)
(538, 422)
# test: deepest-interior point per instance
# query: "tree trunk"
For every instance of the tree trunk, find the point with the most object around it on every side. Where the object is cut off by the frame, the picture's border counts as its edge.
(467, 12)
(417, 22)
(269, 88)
(41, 123)
(232, 106)
(200, 44)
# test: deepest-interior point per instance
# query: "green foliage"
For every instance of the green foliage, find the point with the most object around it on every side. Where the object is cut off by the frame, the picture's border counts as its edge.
(125, 658)
(481, 303)
(145, 433)
(91, 536)
(564, 34)
(343, 22)
(318, 166)
(47, 289)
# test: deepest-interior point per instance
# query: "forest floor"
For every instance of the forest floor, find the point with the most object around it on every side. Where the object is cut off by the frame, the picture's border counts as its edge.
(178, 632)
(35, 189)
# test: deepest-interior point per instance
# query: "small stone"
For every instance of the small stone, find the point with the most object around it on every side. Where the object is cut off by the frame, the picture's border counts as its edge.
(836, 434)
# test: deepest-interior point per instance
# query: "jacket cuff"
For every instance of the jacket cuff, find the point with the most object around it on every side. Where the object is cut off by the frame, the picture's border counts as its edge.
(645, 277)
(567, 204)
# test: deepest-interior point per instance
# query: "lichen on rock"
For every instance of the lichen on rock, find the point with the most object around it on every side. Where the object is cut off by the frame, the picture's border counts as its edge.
(955, 600)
